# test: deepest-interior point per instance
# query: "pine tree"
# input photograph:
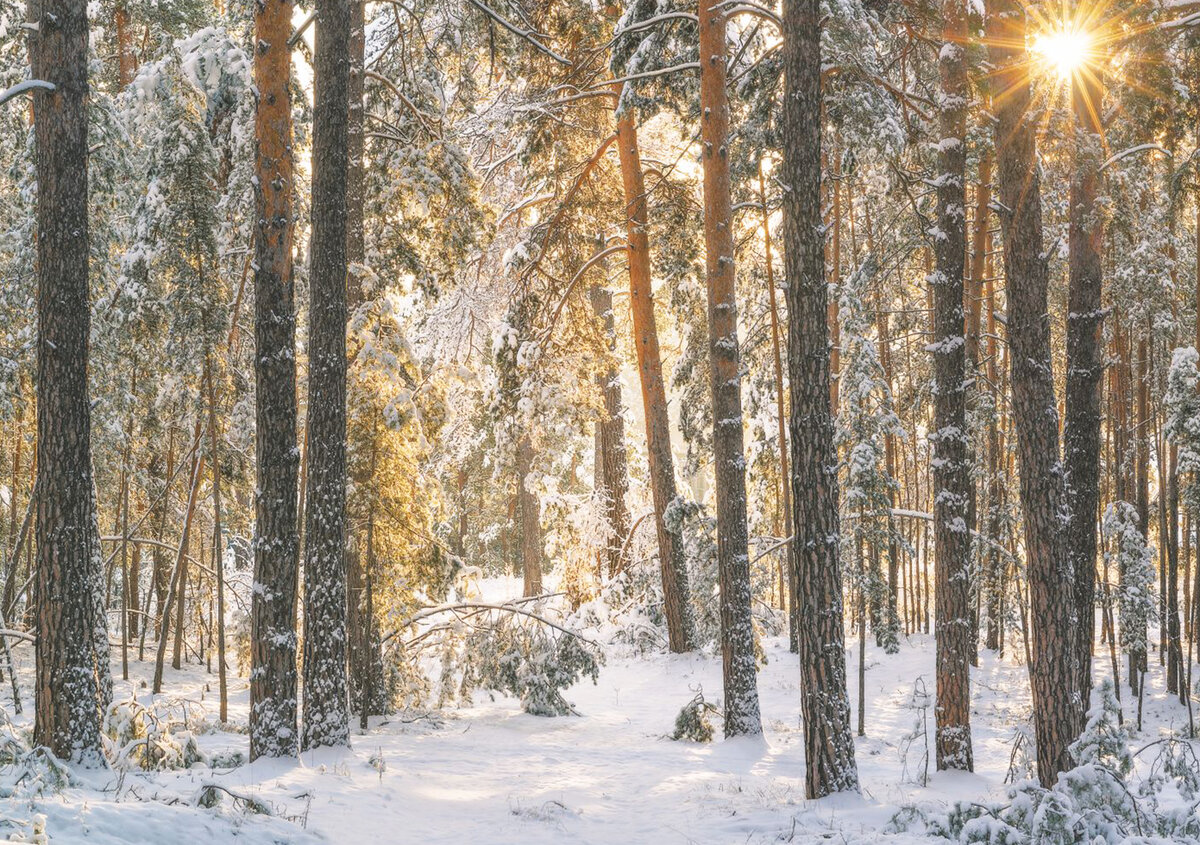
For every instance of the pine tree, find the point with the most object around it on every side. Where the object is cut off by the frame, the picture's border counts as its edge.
(825, 706)
(733, 558)
(952, 513)
(650, 372)
(273, 729)
(1085, 366)
(326, 716)
(1035, 412)
(72, 635)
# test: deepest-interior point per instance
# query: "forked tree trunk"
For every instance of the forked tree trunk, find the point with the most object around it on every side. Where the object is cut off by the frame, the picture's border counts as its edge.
(273, 613)
(824, 703)
(953, 631)
(1035, 412)
(729, 460)
(72, 660)
(676, 606)
(176, 589)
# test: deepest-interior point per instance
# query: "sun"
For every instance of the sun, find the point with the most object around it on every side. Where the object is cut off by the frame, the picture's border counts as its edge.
(1064, 51)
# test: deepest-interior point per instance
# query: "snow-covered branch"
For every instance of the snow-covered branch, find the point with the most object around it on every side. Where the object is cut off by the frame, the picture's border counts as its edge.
(24, 88)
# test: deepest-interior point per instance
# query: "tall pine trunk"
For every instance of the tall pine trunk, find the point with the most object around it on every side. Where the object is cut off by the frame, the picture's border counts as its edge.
(654, 393)
(1085, 366)
(1035, 412)
(273, 730)
(729, 461)
(824, 703)
(953, 631)
(326, 717)
(72, 659)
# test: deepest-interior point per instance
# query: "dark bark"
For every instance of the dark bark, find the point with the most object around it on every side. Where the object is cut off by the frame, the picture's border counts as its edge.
(1085, 366)
(953, 631)
(72, 660)
(273, 614)
(729, 461)
(824, 703)
(218, 558)
(326, 719)
(355, 188)
(1035, 412)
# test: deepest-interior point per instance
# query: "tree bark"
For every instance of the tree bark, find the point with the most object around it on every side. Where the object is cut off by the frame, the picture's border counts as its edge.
(273, 613)
(953, 631)
(1085, 366)
(785, 483)
(531, 525)
(355, 172)
(218, 558)
(611, 430)
(733, 559)
(824, 705)
(1035, 411)
(72, 659)
(654, 394)
(326, 719)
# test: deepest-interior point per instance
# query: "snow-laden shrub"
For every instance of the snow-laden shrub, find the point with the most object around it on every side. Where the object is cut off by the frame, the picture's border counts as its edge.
(507, 649)
(141, 738)
(693, 722)
(1092, 803)
(626, 610)
(24, 768)
(696, 529)
(1134, 560)
(530, 662)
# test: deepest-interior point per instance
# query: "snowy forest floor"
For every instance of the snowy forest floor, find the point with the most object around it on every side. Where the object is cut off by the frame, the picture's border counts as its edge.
(491, 773)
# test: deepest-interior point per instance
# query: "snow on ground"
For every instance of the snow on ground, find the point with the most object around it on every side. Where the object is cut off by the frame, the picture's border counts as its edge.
(490, 773)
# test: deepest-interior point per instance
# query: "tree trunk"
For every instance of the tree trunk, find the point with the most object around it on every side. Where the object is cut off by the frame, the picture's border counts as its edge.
(1034, 408)
(176, 589)
(72, 659)
(126, 63)
(654, 394)
(785, 474)
(733, 558)
(218, 558)
(611, 430)
(355, 188)
(326, 719)
(824, 703)
(273, 614)
(530, 516)
(1085, 366)
(953, 631)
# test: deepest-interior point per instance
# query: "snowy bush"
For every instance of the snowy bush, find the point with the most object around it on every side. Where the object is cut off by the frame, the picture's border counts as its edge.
(693, 723)
(1091, 803)
(25, 769)
(1134, 560)
(530, 663)
(505, 649)
(697, 529)
(140, 738)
